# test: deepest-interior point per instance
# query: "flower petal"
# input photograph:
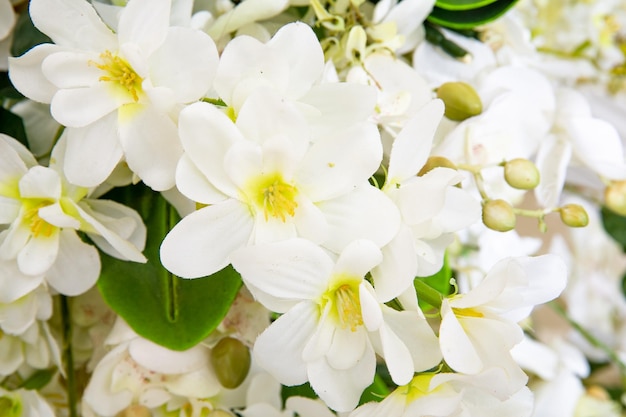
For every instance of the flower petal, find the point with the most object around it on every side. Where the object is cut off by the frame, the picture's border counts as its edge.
(68, 105)
(347, 348)
(165, 361)
(27, 76)
(358, 258)
(285, 339)
(77, 266)
(41, 182)
(202, 242)
(38, 255)
(398, 267)
(72, 69)
(194, 185)
(14, 283)
(456, 347)
(144, 23)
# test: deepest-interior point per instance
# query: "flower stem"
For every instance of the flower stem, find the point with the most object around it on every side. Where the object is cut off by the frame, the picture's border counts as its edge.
(427, 293)
(69, 357)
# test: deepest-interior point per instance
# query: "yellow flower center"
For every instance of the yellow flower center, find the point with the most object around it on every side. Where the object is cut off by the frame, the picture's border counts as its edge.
(275, 196)
(37, 225)
(345, 302)
(119, 71)
(467, 312)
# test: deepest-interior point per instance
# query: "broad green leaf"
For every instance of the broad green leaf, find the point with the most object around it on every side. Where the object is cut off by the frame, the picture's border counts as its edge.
(615, 226)
(462, 4)
(11, 124)
(375, 392)
(468, 19)
(26, 36)
(174, 312)
(39, 379)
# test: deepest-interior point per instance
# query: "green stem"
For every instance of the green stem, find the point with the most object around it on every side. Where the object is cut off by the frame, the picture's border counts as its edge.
(427, 293)
(69, 356)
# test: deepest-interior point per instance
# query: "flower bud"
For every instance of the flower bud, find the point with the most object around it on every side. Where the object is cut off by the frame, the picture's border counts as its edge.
(135, 410)
(498, 215)
(574, 215)
(435, 162)
(461, 100)
(521, 174)
(231, 360)
(615, 197)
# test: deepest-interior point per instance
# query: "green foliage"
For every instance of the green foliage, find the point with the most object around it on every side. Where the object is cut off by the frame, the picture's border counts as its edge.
(174, 312)
(39, 379)
(11, 124)
(615, 226)
(439, 281)
(467, 14)
(26, 35)
(7, 91)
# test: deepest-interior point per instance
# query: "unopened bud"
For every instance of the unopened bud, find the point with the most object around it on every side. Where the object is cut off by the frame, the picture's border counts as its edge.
(461, 100)
(615, 197)
(135, 410)
(435, 162)
(231, 360)
(574, 215)
(499, 215)
(521, 174)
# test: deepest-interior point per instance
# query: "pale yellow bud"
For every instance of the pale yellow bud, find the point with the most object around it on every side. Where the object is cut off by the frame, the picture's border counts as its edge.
(574, 215)
(435, 162)
(135, 410)
(615, 197)
(461, 100)
(499, 215)
(521, 174)
(231, 361)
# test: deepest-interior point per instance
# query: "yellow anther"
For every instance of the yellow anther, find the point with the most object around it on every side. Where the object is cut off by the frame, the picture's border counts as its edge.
(273, 195)
(348, 307)
(119, 71)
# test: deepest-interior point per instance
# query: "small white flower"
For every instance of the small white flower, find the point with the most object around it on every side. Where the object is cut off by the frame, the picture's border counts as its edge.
(24, 403)
(135, 82)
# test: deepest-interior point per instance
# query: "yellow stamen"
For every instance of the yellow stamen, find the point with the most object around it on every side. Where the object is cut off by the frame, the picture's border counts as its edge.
(345, 302)
(38, 226)
(119, 71)
(275, 196)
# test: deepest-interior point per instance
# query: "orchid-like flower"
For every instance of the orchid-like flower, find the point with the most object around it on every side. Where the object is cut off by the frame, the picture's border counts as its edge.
(118, 93)
(330, 311)
(262, 180)
(479, 328)
(44, 213)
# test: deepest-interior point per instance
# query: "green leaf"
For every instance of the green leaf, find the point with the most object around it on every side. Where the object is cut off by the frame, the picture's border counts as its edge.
(39, 379)
(375, 392)
(26, 35)
(462, 4)
(439, 281)
(174, 312)
(11, 124)
(615, 226)
(468, 19)
(6, 88)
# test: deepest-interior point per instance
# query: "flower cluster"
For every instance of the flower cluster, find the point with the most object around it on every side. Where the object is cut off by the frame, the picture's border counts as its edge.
(311, 208)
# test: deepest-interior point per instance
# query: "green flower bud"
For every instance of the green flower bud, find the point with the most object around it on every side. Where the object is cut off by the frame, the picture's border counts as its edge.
(574, 215)
(461, 100)
(521, 174)
(135, 410)
(498, 215)
(231, 360)
(10, 407)
(615, 197)
(435, 162)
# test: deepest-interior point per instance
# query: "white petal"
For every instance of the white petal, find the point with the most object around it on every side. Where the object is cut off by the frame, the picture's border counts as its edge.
(412, 146)
(41, 182)
(370, 307)
(152, 148)
(552, 160)
(279, 348)
(341, 389)
(100, 383)
(12, 354)
(118, 218)
(294, 269)
(14, 283)
(162, 360)
(310, 221)
(72, 69)
(68, 105)
(351, 217)
(320, 341)
(11, 166)
(72, 24)
(186, 63)
(206, 134)
(398, 267)
(77, 266)
(55, 215)
(347, 348)
(307, 407)
(202, 242)
(92, 152)
(194, 185)
(456, 347)
(245, 13)
(358, 258)
(598, 145)
(397, 356)
(39, 254)
(337, 163)
(7, 18)
(27, 76)
(144, 23)
(14, 239)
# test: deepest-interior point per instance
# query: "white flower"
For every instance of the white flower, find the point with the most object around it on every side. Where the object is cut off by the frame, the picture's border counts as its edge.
(432, 208)
(330, 310)
(134, 80)
(479, 328)
(263, 180)
(34, 348)
(17, 315)
(44, 213)
(7, 18)
(449, 395)
(407, 18)
(24, 403)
